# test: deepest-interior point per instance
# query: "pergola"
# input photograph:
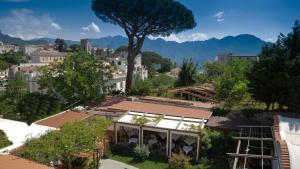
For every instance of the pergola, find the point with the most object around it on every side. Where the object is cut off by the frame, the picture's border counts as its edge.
(172, 131)
(256, 148)
(201, 92)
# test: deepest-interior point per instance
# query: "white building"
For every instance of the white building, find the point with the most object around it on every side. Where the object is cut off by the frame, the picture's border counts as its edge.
(225, 58)
(32, 49)
(47, 56)
(121, 64)
(86, 46)
(8, 48)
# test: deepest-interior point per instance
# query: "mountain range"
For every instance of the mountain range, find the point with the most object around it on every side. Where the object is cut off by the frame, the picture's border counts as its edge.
(199, 51)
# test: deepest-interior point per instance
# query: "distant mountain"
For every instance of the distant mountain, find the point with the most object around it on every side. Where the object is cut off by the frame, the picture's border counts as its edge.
(6, 39)
(199, 51)
(52, 41)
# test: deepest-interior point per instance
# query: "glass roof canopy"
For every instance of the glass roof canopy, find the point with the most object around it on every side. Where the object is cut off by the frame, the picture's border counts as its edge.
(164, 121)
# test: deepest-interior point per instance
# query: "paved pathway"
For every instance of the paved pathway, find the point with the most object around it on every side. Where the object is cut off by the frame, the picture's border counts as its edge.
(112, 164)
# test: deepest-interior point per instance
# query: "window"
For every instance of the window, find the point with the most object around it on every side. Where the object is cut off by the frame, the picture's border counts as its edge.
(119, 63)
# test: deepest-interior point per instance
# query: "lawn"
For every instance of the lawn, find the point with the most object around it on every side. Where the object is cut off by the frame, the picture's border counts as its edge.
(148, 164)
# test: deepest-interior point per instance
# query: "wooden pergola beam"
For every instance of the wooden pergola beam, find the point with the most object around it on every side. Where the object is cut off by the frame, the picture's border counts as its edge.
(253, 138)
(251, 156)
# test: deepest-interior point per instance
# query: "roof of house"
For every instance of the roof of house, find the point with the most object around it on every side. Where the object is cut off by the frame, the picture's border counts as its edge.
(156, 108)
(13, 162)
(60, 119)
(51, 54)
(287, 130)
(18, 132)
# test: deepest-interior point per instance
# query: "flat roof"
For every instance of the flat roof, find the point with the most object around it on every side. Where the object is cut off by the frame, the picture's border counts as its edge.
(13, 162)
(162, 109)
(60, 119)
(164, 122)
(289, 129)
(18, 132)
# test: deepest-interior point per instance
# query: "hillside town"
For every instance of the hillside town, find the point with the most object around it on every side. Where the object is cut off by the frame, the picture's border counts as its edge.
(139, 98)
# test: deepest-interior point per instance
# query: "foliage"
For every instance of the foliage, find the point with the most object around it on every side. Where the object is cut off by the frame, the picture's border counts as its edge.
(275, 78)
(141, 152)
(60, 45)
(217, 111)
(204, 163)
(121, 49)
(188, 73)
(79, 78)
(4, 142)
(140, 18)
(232, 85)
(140, 120)
(212, 71)
(8, 108)
(158, 118)
(75, 47)
(179, 161)
(9, 59)
(150, 60)
(141, 87)
(65, 144)
(35, 106)
(121, 149)
(166, 65)
(162, 81)
(17, 87)
(214, 143)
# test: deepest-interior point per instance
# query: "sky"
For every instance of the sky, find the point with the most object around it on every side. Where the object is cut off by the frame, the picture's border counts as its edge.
(74, 19)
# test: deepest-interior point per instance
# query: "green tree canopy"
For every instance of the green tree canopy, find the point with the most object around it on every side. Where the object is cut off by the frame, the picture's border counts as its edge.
(75, 47)
(79, 78)
(232, 85)
(140, 18)
(60, 45)
(150, 60)
(9, 59)
(64, 145)
(188, 74)
(275, 78)
(35, 106)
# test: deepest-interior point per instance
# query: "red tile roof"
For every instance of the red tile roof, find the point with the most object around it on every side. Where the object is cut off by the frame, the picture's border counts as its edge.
(13, 162)
(60, 119)
(156, 108)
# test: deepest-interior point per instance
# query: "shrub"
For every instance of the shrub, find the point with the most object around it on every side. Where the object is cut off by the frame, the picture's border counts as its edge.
(204, 163)
(121, 149)
(179, 161)
(217, 111)
(141, 152)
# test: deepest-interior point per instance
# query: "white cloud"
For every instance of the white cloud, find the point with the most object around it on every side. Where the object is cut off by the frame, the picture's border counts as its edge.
(23, 23)
(92, 28)
(219, 16)
(56, 26)
(83, 33)
(184, 38)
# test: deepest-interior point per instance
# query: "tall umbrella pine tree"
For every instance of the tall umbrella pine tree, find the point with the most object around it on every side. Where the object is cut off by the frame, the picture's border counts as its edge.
(140, 18)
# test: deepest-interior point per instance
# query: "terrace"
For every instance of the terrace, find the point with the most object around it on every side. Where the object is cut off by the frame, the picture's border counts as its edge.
(164, 127)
